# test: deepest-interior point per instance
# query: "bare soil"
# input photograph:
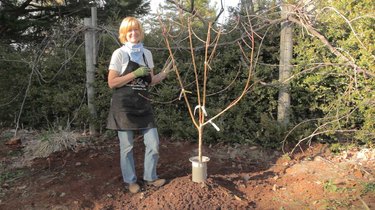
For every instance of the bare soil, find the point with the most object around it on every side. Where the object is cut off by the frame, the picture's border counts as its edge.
(239, 177)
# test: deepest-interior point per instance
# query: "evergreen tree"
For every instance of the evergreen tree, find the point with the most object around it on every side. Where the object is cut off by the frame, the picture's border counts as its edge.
(336, 68)
(30, 20)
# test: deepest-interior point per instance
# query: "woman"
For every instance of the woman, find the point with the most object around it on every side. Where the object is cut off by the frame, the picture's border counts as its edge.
(130, 74)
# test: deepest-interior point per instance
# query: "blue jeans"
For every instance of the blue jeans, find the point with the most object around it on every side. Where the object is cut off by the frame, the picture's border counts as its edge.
(151, 141)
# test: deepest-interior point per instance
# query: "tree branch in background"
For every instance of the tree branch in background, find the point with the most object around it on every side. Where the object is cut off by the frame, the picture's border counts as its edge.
(324, 40)
(221, 11)
(194, 12)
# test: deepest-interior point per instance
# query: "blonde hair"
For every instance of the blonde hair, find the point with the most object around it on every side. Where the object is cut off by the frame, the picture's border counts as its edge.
(128, 24)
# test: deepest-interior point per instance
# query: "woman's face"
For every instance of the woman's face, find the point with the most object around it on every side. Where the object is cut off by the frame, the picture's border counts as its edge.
(133, 36)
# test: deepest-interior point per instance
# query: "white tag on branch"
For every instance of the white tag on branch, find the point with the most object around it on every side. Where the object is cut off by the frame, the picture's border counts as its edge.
(213, 124)
(201, 107)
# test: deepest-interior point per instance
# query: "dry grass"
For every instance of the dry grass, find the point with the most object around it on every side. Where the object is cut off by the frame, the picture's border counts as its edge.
(50, 142)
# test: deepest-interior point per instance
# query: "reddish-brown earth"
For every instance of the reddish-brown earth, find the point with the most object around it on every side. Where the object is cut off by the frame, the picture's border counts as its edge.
(239, 177)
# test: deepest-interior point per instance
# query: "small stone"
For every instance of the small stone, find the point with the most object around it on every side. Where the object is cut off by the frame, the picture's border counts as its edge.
(14, 141)
(22, 187)
(246, 177)
(203, 184)
(358, 173)
(5, 186)
(93, 155)
(318, 158)
(237, 198)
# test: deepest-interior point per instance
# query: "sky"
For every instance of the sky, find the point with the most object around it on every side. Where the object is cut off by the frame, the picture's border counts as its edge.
(226, 4)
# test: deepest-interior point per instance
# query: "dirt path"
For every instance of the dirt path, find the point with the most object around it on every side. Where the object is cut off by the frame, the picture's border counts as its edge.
(240, 177)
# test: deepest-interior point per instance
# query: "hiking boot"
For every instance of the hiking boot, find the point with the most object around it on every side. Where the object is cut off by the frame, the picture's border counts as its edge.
(134, 188)
(157, 182)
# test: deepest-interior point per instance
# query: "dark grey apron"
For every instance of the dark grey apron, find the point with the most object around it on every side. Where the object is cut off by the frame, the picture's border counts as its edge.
(130, 107)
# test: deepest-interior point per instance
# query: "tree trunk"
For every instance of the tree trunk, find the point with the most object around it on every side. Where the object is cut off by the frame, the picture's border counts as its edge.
(90, 74)
(94, 22)
(285, 68)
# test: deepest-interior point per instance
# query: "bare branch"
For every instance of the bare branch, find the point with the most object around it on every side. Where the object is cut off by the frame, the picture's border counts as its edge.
(331, 48)
(221, 11)
(192, 10)
(349, 24)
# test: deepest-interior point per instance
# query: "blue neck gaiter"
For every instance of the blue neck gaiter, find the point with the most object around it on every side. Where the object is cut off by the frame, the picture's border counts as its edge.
(135, 51)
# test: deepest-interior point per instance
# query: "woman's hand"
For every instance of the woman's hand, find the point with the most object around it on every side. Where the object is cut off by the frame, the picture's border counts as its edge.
(142, 71)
